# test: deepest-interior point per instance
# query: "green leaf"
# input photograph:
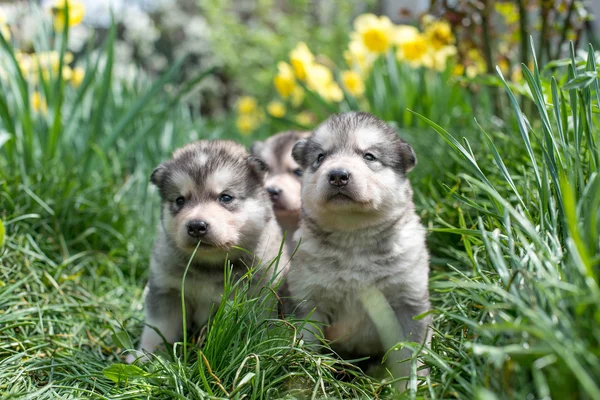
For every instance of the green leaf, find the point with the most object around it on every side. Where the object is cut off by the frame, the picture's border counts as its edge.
(122, 339)
(120, 372)
(581, 81)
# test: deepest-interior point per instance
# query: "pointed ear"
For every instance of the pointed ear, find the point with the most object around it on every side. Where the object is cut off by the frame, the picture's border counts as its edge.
(299, 152)
(256, 148)
(407, 156)
(158, 174)
(257, 165)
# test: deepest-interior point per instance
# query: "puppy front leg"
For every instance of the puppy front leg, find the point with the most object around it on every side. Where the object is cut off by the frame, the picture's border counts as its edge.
(163, 314)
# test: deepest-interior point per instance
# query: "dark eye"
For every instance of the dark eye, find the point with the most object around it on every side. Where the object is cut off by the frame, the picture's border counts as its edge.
(180, 201)
(369, 157)
(225, 198)
(320, 157)
(298, 172)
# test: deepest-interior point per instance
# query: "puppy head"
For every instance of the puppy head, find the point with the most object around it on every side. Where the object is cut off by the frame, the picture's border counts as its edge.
(355, 169)
(212, 193)
(283, 182)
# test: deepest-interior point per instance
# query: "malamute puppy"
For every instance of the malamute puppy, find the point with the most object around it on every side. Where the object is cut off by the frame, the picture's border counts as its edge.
(211, 192)
(362, 263)
(283, 179)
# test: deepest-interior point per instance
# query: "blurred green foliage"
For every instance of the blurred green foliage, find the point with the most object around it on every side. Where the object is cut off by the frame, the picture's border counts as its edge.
(251, 36)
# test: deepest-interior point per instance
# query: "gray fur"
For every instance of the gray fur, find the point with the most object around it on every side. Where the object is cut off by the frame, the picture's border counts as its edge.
(200, 167)
(384, 251)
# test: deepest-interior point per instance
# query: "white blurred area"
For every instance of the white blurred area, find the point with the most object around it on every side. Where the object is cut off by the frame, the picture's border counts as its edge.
(97, 12)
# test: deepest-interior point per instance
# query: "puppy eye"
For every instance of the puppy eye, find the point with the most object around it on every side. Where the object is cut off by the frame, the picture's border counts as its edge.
(298, 172)
(369, 157)
(225, 198)
(320, 157)
(180, 201)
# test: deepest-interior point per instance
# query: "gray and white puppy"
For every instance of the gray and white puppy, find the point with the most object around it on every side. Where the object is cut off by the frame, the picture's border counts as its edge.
(211, 192)
(283, 182)
(361, 238)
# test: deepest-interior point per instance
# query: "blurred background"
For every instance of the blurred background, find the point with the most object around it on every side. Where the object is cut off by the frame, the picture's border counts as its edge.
(244, 39)
(499, 99)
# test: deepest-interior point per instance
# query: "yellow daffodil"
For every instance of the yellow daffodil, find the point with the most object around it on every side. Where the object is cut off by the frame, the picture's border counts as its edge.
(353, 83)
(4, 29)
(476, 62)
(404, 33)
(77, 77)
(38, 103)
(427, 19)
(301, 58)
(246, 124)
(76, 13)
(304, 118)
(415, 52)
(332, 92)
(67, 73)
(357, 56)
(318, 76)
(297, 96)
(25, 63)
(440, 57)
(458, 70)
(439, 34)
(375, 32)
(247, 105)
(284, 81)
(276, 109)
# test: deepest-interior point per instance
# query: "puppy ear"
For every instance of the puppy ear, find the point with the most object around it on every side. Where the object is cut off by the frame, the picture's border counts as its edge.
(407, 156)
(158, 174)
(257, 165)
(256, 148)
(299, 152)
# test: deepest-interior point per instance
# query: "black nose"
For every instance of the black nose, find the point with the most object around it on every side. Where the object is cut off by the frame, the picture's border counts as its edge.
(338, 177)
(197, 228)
(274, 191)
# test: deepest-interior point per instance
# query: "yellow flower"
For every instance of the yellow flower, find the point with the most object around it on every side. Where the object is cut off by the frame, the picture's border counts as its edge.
(332, 92)
(284, 81)
(458, 70)
(476, 65)
(246, 124)
(353, 83)
(441, 56)
(318, 76)
(297, 96)
(415, 52)
(404, 33)
(38, 103)
(304, 118)
(276, 109)
(358, 56)
(4, 29)
(25, 63)
(439, 34)
(375, 32)
(67, 73)
(76, 13)
(246, 105)
(301, 58)
(78, 76)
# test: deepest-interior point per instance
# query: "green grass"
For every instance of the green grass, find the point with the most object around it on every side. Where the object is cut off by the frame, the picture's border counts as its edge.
(513, 216)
